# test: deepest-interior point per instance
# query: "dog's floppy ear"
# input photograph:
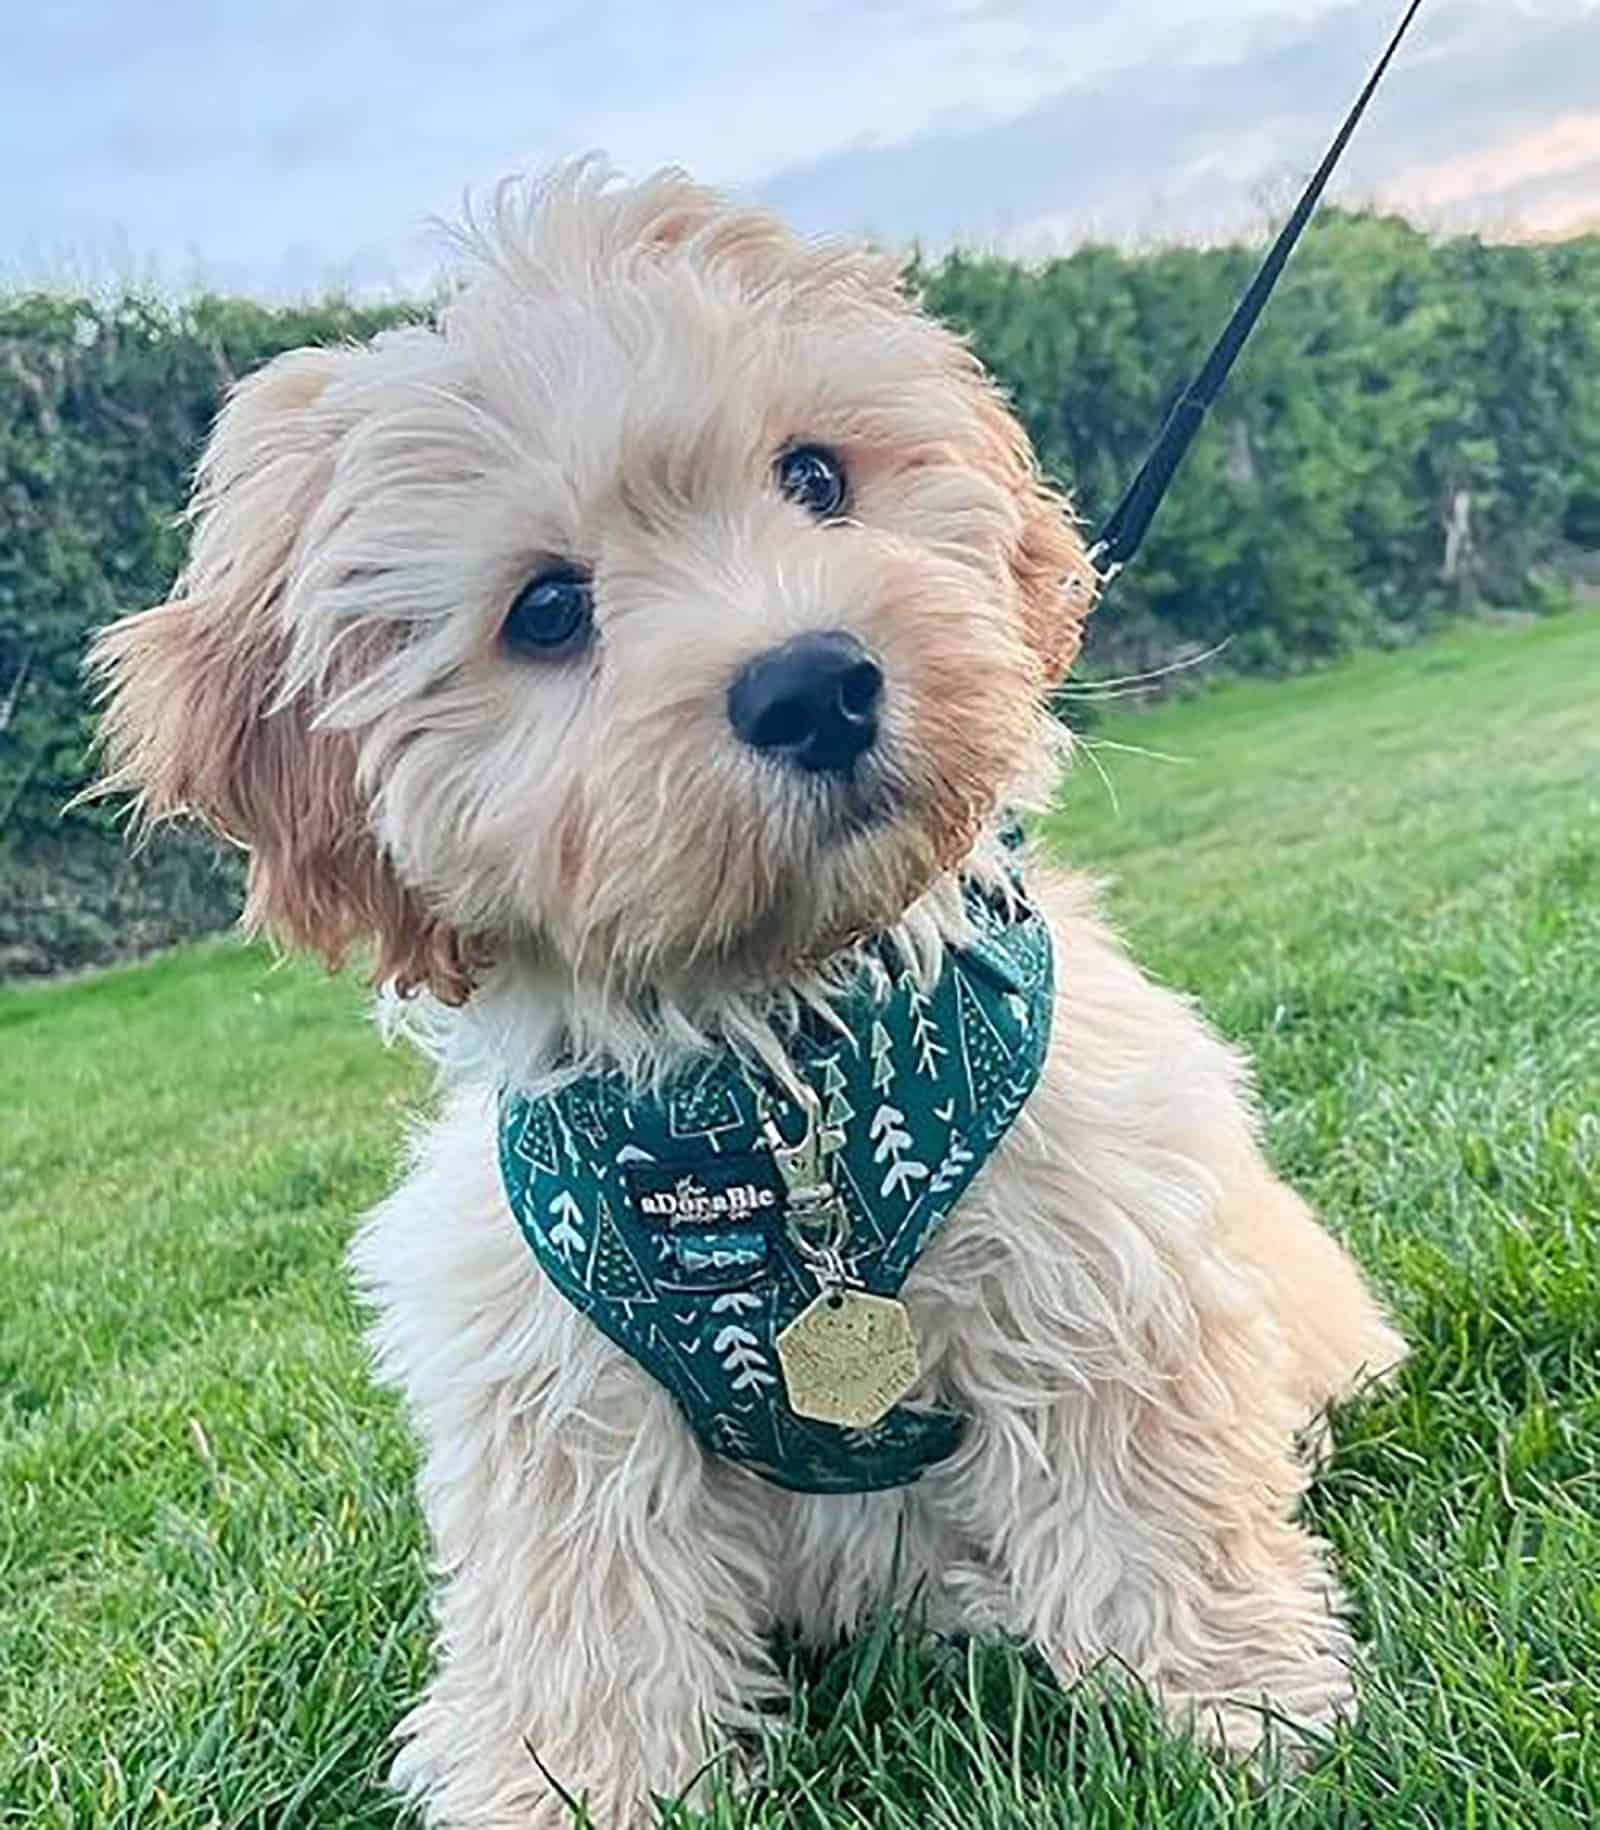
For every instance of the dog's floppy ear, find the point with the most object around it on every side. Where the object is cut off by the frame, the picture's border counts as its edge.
(194, 717)
(1056, 583)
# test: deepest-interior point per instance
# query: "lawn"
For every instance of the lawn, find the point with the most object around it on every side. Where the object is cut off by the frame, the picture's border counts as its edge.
(1383, 879)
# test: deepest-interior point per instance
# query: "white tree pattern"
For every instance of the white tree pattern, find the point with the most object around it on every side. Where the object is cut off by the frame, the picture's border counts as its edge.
(740, 1353)
(536, 1140)
(584, 1110)
(737, 1302)
(925, 1034)
(985, 1054)
(866, 1233)
(892, 1145)
(836, 1107)
(882, 1059)
(567, 1233)
(705, 1109)
(736, 1346)
(730, 1437)
(951, 1170)
(614, 1274)
(1013, 1096)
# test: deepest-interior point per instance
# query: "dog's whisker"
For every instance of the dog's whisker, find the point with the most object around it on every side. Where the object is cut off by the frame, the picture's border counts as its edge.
(1134, 749)
(1083, 688)
(1099, 768)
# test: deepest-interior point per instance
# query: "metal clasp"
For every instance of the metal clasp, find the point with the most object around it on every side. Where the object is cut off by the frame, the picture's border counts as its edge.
(804, 1165)
(806, 1168)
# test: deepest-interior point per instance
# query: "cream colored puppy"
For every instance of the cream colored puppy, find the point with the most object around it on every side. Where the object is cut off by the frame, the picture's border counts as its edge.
(643, 662)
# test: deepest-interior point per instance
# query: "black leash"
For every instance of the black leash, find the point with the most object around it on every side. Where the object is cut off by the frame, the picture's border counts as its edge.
(1130, 521)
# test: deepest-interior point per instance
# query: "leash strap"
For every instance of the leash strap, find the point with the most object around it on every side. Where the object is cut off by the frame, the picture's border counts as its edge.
(1121, 536)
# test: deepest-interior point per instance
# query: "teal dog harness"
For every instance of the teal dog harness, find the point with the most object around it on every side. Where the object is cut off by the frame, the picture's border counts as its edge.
(674, 1222)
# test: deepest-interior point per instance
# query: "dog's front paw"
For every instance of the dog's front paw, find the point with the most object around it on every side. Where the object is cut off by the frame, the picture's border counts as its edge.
(1237, 1663)
(1277, 1665)
(464, 1774)
(1290, 1707)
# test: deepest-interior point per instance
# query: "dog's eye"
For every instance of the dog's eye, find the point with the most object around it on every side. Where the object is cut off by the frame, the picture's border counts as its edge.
(812, 476)
(551, 615)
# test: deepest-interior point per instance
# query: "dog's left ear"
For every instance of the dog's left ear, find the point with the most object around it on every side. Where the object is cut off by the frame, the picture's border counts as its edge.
(200, 718)
(1056, 583)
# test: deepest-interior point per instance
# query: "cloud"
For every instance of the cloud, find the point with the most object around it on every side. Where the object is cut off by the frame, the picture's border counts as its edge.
(1544, 178)
(1166, 147)
(290, 144)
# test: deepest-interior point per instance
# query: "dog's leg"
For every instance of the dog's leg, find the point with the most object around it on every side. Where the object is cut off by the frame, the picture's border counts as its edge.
(1140, 1320)
(1337, 1335)
(597, 1621)
(1130, 1501)
(603, 1581)
(1129, 1534)
(1137, 1382)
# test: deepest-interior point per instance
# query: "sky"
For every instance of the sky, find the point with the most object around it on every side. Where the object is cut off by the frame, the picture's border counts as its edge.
(285, 147)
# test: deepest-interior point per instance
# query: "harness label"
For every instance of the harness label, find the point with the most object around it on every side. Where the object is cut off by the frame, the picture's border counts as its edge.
(738, 1190)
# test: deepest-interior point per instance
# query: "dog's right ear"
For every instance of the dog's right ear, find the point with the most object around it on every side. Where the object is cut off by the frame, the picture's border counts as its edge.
(196, 721)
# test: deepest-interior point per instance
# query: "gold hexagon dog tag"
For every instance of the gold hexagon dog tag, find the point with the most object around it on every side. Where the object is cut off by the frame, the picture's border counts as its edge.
(848, 1358)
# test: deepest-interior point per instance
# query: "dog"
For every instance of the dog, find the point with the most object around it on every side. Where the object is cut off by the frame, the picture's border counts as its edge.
(645, 663)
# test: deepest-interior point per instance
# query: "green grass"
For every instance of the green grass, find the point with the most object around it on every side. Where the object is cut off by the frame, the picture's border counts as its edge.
(1385, 880)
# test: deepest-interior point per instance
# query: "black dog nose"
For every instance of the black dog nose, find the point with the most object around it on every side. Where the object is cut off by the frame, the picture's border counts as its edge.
(813, 702)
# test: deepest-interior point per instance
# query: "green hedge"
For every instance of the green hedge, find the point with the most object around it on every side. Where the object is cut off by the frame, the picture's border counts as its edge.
(103, 408)
(1397, 385)
(1391, 375)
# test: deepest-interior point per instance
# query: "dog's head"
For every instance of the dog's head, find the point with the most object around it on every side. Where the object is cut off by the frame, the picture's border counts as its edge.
(686, 599)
